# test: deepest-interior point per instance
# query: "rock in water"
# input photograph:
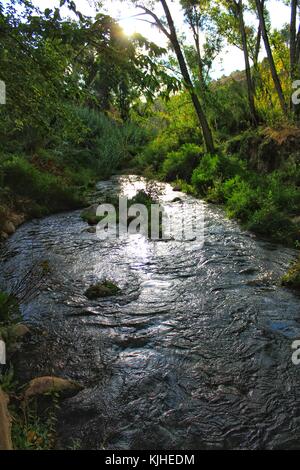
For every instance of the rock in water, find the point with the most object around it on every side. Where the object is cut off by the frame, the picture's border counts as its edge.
(20, 330)
(9, 227)
(89, 215)
(5, 423)
(48, 384)
(102, 289)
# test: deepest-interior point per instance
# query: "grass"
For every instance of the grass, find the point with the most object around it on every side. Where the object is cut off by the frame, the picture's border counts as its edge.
(33, 426)
(9, 309)
(46, 192)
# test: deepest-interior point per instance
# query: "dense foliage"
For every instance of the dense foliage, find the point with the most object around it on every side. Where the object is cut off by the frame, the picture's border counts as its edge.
(83, 100)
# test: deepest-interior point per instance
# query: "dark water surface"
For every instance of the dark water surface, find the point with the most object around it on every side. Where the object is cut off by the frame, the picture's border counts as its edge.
(196, 351)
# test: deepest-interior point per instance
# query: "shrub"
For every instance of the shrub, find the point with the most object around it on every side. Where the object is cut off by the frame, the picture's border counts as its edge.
(9, 309)
(104, 144)
(206, 172)
(157, 150)
(241, 198)
(180, 164)
(268, 220)
(45, 189)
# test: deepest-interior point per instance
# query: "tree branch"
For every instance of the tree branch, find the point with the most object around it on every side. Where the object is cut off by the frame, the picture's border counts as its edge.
(157, 20)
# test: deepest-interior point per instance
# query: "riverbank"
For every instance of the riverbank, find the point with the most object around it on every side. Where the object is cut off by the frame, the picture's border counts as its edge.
(255, 176)
(33, 189)
(29, 400)
(183, 339)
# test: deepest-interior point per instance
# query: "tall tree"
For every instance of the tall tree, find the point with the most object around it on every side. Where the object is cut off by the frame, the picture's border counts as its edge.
(207, 42)
(167, 26)
(239, 11)
(232, 25)
(294, 38)
(294, 48)
(265, 36)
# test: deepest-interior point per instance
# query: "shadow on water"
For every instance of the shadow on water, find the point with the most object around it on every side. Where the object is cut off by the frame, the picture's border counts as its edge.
(195, 352)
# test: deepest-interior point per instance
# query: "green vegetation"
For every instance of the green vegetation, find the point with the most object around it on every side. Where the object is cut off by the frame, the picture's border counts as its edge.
(33, 427)
(146, 198)
(70, 86)
(9, 309)
(292, 277)
(33, 423)
(84, 101)
(89, 101)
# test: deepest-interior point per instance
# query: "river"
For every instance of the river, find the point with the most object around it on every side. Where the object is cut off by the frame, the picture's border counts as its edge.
(195, 352)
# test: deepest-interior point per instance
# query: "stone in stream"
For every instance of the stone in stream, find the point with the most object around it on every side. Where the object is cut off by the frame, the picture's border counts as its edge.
(9, 227)
(248, 271)
(89, 215)
(49, 384)
(102, 289)
(177, 199)
(90, 230)
(20, 330)
(4, 236)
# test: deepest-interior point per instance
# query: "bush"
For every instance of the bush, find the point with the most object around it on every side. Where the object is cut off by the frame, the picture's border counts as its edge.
(9, 309)
(157, 150)
(104, 144)
(271, 222)
(46, 190)
(241, 198)
(180, 164)
(207, 171)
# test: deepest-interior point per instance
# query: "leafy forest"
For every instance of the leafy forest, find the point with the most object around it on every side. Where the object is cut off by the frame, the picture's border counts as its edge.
(85, 101)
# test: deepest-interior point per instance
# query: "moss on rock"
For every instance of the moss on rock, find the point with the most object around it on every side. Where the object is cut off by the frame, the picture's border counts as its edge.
(102, 289)
(292, 277)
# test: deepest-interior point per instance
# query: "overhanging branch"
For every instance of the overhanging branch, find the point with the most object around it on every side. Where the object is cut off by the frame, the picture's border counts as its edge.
(156, 19)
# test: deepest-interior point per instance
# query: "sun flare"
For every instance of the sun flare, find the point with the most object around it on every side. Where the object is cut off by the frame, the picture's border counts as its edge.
(129, 26)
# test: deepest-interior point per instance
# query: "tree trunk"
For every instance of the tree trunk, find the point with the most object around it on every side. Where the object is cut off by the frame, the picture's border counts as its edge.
(274, 74)
(257, 45)
(250, 86)
(258, 41)
(293, 39)
(293, 50)
(207, 134)
(196, 36)
(297, 54)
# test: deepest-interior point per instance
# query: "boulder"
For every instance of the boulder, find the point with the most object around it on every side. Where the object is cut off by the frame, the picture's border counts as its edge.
(20, 330)
(5, 423)
(3, 236)
(17, 219)
(177, 199)
(90, 230)
(9, 227)
(89, 215)
(102, 289)
(49, 384)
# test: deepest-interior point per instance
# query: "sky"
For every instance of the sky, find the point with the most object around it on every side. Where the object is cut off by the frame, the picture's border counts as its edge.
(230, 59)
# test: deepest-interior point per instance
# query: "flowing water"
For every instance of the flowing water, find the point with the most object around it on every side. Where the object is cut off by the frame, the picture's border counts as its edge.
(195, 353)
